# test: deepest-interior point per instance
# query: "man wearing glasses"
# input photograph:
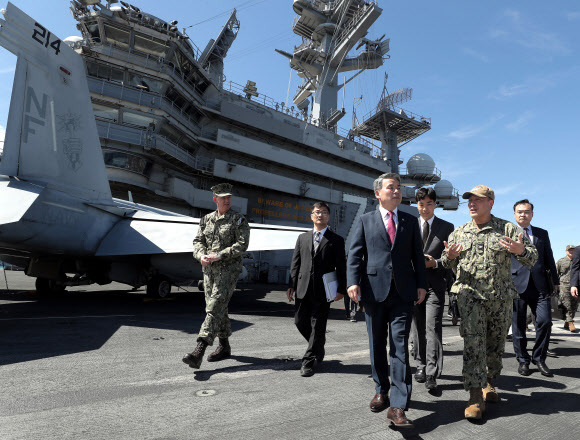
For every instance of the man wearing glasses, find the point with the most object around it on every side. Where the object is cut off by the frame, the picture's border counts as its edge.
(318, 252)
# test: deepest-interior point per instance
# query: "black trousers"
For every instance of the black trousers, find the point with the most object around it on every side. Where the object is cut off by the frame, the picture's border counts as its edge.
(541, 309)
(311, 315)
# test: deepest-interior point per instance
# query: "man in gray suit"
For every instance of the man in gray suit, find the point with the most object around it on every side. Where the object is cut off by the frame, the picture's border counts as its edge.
(427, 327)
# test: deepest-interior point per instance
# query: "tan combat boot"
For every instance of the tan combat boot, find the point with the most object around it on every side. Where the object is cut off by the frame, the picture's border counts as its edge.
(489, 392)
(571, 326)
(223, 351)
(476, 405)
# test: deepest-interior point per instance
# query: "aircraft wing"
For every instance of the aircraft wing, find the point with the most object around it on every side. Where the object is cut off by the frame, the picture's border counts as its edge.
(15, 199)
(147, 233)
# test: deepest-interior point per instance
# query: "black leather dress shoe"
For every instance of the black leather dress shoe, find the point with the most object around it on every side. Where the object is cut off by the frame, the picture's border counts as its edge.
(543, 368)
(379, 403)
(307, 371)
(430, 383)
(420, 375)
(524, 369)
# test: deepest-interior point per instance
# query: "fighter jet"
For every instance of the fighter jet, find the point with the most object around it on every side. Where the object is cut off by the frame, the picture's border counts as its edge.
(57, 216)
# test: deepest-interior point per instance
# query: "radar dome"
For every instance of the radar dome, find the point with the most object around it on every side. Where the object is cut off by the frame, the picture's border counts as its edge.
(74, 41)
(444, 188)
(420, 163)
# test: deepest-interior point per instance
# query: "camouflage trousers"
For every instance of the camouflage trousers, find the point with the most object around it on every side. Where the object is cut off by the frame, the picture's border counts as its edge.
(570, 305)
(219, 286)
(484, 327)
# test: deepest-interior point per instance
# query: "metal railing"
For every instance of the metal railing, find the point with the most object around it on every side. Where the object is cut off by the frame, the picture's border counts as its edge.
(142, 97)
(149, 140)
(397, 109)
(148, 61)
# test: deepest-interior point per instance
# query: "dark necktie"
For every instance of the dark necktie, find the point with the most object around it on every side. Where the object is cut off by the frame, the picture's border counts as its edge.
(316, 240)
(527, 234)
(425, 232)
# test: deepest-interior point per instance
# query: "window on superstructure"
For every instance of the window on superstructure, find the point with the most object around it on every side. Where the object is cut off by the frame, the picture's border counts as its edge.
(93, 30)
(105, 112)
(171, 133)
(98, 70)
(178, 100)
(181, 63)
(150, 45)
(117, 36)
(145, 83)
(124, 161)
(137, 119)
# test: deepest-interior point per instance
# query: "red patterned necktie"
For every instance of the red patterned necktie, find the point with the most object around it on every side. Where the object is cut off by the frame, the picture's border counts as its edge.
(391, 229)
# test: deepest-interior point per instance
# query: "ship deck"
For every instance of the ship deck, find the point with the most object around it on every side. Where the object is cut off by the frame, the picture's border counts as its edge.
(103, 362)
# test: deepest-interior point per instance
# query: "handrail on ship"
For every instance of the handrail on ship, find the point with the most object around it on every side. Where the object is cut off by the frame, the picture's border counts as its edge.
(148, 139)
(145, 99)
(397, 109)
(146, 21)
(237, 89)
(152, 62)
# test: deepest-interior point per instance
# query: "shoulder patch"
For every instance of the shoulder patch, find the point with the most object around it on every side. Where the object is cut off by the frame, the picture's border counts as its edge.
(240, 221)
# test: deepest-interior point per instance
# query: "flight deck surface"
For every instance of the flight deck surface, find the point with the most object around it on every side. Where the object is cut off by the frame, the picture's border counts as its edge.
(105, 362)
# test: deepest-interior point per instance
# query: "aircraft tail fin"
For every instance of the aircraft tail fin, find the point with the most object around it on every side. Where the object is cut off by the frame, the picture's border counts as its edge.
(51, 135)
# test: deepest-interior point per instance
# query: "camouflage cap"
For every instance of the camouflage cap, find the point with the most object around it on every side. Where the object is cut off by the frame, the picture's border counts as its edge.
(222, 189)
(480, 191)
(570, 246)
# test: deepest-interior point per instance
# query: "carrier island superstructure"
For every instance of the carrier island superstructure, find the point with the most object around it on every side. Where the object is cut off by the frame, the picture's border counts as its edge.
(171, 127)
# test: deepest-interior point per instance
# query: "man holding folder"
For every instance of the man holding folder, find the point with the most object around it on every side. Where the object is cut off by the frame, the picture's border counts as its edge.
(318, 252)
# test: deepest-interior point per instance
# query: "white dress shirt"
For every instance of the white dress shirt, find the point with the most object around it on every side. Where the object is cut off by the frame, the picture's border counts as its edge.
(430, 223)
(386, 219)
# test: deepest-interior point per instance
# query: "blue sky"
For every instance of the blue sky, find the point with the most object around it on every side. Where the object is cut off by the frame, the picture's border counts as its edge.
(499, 80)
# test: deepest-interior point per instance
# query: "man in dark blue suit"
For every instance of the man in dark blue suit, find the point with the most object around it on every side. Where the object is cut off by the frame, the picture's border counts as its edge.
(534, 289)
(386, 272)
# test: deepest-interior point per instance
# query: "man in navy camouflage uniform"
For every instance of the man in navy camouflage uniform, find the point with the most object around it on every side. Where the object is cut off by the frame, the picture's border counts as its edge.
(480, 252)
(222, 238)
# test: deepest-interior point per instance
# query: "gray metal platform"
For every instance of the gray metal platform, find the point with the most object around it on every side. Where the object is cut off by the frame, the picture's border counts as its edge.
(105, 363)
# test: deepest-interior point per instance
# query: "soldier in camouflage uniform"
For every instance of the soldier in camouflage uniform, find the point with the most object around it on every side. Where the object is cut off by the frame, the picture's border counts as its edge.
(569, 302)
(222, 238)
(479, 252)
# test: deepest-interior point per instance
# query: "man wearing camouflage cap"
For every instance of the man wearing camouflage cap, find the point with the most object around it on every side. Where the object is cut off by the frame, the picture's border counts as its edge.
(222, 238)
(480, 252)
(569, 302)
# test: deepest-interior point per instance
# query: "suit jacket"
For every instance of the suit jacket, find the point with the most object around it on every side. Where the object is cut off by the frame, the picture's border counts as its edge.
(438, 233)
(521, 274)
(372, 263)
(307, 268)
(575, 269)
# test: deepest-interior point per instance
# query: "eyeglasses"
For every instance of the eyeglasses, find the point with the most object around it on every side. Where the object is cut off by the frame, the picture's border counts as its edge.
(320, 213)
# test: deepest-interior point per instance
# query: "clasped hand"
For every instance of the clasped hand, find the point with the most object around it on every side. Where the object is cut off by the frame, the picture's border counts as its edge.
(206, 260)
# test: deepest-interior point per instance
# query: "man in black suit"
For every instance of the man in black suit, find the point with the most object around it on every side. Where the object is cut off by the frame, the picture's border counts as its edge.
(534, 289)
(427, 328)
(386, 272)
(317, 252)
